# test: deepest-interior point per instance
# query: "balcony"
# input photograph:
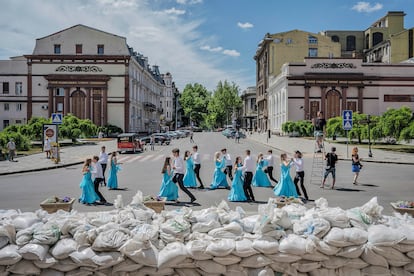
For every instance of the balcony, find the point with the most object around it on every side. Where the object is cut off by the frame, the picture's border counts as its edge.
(149, 106)
(160, 110)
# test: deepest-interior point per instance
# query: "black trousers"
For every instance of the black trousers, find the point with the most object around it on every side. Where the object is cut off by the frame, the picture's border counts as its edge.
(300, 177)
(228, 171)
(197, 173)
(103, 172)
(96, 183)
(269, 171)
(180, 182)
(247, 186)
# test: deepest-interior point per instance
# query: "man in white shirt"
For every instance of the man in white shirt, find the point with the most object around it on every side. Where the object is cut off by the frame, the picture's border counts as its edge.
(229, 165)
(270, 165)
(97, 176)
(249, 166)
(11, 147)
(103, 159)
(178, 167)
(197, 165)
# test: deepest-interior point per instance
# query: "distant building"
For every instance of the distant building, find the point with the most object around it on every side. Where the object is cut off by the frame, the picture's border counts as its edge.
(249, 109)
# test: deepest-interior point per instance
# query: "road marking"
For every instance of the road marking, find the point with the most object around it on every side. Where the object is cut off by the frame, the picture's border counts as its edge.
(134, 159)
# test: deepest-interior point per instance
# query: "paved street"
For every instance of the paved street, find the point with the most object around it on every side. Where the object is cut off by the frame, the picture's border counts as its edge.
(383, 176)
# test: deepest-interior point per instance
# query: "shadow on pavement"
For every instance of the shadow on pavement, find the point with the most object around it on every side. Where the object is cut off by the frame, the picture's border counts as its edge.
(368, 185)
(349, 190)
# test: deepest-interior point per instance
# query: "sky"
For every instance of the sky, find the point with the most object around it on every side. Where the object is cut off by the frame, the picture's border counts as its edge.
(197, 41)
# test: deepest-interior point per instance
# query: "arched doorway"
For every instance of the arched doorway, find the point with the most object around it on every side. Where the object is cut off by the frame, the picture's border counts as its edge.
(333, 100)
(78, 104)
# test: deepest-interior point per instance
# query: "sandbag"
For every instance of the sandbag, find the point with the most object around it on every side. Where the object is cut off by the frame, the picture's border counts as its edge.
(63, 248)
(210, 266)
(7, 234)
(227, 260)
(220, 247)
(46, 262)
(255, 261)
(197, 250)
(33, 251)
(9, 255)
(172, 254)
(312, 226)
(393, 256)
(383, 235)
(126, 265)
(24, 267)
(266, 245)
(294, 244)
(25, 220)
(244, 248)
(111, 239)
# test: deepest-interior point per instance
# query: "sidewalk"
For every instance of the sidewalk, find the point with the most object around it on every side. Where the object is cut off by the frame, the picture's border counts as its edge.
(307, 146)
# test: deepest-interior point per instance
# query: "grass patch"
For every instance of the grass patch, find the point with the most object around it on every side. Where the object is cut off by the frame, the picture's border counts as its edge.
(380, 146)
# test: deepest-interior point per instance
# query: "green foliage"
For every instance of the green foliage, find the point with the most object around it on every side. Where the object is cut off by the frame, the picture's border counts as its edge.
(393, 122)
(334, 127)
(110, 129)
(194, 101)
(303, 127)
(21, 141)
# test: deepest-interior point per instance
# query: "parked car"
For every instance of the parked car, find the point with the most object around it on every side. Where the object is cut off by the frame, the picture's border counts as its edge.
(161, 140)
(128, 142)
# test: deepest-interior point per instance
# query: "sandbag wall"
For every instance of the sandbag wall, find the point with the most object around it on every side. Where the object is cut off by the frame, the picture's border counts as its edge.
(134, 240)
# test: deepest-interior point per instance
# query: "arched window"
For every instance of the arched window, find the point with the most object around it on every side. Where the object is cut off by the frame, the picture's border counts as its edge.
(335, 38)
(350, 43)
(376, 38)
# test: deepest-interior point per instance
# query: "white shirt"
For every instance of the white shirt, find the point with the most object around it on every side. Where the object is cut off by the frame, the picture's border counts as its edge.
(47, 144)
(298, 164)
(270, 161)
(103, 158)
(179, 165)
(196, 158)
(11, 145)
(249, 164)
(227, 157)
(97, 170)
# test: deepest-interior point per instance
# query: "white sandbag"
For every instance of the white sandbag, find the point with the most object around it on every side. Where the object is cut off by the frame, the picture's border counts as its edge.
(63, 248)
(350, 252)
(306, 266)
(126, 265)
(409, 267)
(236, 270)
(111, 239)
(33, 251)
(210, 266)
(376, 271)
(404, 248)
(264, 271)
(25, 220)
(372, 258)
(65, 265)
(326, 248)
(7, 234)
(383, 235)
(228, 231)
(145, 232)
(356, 263)
(46, 262)
(171, 254)
(187, 263)
(24, 267)
(399, 271)
(337, 217)
(345, 237)
(80, 272)
(205, 226)
(197, 249)
(249, 222)
(227, 260)
(266, 245)
(311, 226)
(408, 231)
(393, 256)
(84, 257)
(284, 258)
(48, 233)
(140, 252)
(220, 247)
(244, 248)
(294, 244)
(51, 272)
(186, 272)
(147, 270)
(9, 255)
(335, 262)
(176, 229)
(323, 272)
(24, 236)
(315, 256)
(107, 259)
(345, 271)
(295, 211)
(284, 268)
(410, 254)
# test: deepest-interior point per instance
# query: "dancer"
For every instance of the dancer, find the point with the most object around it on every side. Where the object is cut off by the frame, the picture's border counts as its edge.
(189, 177)
(219, 178)
(88, 196)
(356, 164)
(260, 178)
(103, 159)
(300, 174)
(178, 167)
(229, 165)
(237, 192)
(270, 165)
(168, 188)
(331, 159)
(97, 177)
(285, 187)
(113, 178)
(248, 167)
(197, 165)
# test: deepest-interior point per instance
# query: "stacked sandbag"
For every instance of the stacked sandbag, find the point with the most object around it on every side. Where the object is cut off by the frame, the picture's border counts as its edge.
(134, 240)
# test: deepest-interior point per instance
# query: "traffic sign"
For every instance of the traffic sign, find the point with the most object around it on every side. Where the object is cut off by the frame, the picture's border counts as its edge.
(57, 118)
(347, 119)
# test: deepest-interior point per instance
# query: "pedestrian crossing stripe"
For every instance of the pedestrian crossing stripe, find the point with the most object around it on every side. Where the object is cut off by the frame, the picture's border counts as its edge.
(154, 158)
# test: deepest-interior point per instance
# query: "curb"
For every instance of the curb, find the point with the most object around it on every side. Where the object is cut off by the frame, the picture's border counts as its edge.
(44, 168)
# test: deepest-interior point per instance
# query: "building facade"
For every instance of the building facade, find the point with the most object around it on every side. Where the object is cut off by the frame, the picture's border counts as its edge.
(249, 109)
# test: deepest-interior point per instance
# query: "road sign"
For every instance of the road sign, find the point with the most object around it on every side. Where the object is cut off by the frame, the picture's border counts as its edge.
(347, 119)
(57, 118)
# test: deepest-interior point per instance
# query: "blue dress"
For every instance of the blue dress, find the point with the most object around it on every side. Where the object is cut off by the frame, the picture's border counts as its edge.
(88, 195)
(168, 188)
(237, 191)
(285, 187)
(260, 179)
(189, 177)
(219, 178)
(113, 178)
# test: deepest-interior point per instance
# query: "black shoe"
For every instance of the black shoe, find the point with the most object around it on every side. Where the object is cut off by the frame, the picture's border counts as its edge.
(193, 199)
(201, 187)
(227, 188)
(108, 204)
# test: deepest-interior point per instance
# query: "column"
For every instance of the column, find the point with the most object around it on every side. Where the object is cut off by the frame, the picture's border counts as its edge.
(66, 106)
(360, 99)
(306, 104)
(104, 106)
(88, 104)
(50, 103)
(323, 97)
(344, 97)
(29, 92)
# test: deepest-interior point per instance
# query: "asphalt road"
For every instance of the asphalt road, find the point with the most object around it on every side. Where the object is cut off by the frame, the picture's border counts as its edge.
(142, 171)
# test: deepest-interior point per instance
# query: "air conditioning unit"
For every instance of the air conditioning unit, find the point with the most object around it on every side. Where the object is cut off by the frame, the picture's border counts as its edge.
(44, 106)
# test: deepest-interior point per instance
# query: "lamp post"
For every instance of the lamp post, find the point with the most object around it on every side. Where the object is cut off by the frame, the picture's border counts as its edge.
(369, 135)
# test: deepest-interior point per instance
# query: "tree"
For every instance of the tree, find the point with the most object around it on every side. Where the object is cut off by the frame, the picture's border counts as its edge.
(194, 101)
(226, 100)
(393, 122)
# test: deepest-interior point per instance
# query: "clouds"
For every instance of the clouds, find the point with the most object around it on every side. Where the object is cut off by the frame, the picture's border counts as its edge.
(227, 52)
(367, 7)
(246, 25)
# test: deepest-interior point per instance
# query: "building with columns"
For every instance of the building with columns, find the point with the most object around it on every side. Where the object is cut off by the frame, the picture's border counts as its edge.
(249, 108)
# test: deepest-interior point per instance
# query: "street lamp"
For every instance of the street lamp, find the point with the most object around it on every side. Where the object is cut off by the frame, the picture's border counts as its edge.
(369, 136)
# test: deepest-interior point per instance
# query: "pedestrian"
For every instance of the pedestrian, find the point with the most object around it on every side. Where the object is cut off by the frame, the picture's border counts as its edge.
(103, 159)
(260, 178)
(197, 165)
(11, 147)
(300, 174)
(219, 178)
(97, 177)
(319, 124)
(152, 142)
(47, 148)
(331, 159)
(113, 173)
(285, 187)
(189, 176)
(228, 164)
(356, 165)
(270, 165)
(178, 167)
(168, 188)
(88, 195)
(237, 136)
(191, 137)
(248, 168)
(236, 191)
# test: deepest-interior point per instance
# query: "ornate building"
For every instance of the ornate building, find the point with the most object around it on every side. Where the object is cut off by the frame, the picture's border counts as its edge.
(249, 109)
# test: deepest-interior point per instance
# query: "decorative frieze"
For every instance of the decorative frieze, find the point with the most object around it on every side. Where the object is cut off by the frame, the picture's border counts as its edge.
(326, 65)
(78, 68)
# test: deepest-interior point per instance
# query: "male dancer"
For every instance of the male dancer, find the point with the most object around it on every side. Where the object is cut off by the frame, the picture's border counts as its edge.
(197, 165)
(178, 167)
(103, 159)
(249, 166)
(270, 165)
(229, 165)
(97, 175)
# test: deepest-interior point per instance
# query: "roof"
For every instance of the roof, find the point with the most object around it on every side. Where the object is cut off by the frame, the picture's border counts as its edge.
(84, 26)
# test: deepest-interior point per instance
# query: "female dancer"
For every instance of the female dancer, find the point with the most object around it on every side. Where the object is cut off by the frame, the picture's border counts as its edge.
(189, 177)
(168, 188)
(356, 164)
(285, 187)
(88, 195)
(113, 178)
(219, 178)
(260, 178)
(237, 191)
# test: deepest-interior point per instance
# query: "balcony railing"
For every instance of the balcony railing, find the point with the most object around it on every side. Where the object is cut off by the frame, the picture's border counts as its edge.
(149, 106)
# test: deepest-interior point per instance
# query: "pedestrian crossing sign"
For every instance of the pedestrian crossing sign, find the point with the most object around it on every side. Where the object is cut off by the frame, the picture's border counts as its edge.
(347, 119)
(57, 118)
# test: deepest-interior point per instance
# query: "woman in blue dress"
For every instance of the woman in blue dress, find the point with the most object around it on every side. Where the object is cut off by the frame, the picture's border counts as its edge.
(113, 178)
(285, 187)
(260, 179)
(88, 195)
(168, 188)
(237, 191)
(219, 178)
(189, 177)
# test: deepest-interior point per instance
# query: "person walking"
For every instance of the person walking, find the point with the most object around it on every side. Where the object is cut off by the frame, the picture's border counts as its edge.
(319, 124)
(270, 165)
(236, 191)
(168, 188)
(88, 195)
(219, 178)
(356, 165)
(237, 136)
(248, 168)
(191, 137)
(260, 178)
(97, 177)
(113, 173)
(285, 187)
(197, 165)
(331, 159)
(152, 142)
(11, 147)
(178, 167)
(103, 159)
(189, 177)
(228, 164)
(300, 174)
(47, 148)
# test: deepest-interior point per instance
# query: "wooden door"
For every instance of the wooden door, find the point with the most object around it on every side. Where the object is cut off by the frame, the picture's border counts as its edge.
(333, 109)
(97, 107)
(78, 104)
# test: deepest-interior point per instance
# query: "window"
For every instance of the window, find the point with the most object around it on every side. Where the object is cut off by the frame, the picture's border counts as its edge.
(60, 91)
(6, 107)
(312, 40)
(57, 49)
(313, 52)
(398, 98)
(5, 88)
(78, 48)
(19, 107)
(6, 123)
(376, 38)
(350, 43)
(100, 49)
(60, 107)
(19, 122)
(335, 38)
(19, 88)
